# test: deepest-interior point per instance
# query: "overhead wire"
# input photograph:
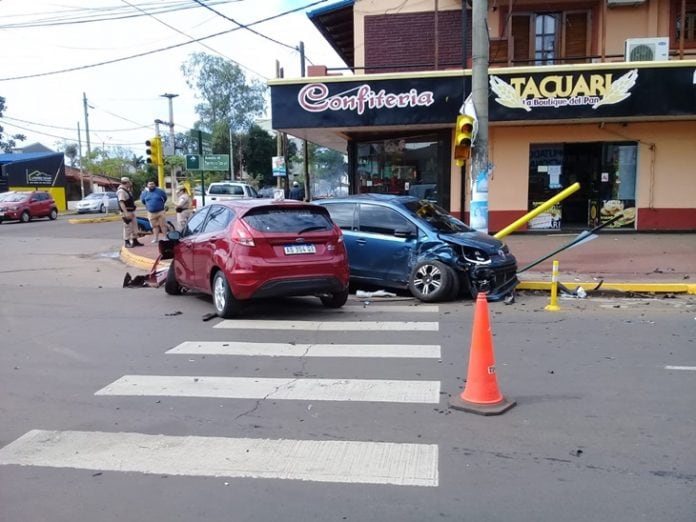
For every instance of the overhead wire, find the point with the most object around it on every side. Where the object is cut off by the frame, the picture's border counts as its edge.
(159, 50)
(191, 38)
(158, 8)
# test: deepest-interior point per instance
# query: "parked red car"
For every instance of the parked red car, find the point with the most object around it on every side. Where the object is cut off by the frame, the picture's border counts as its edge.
(258, 248)
(25, 206)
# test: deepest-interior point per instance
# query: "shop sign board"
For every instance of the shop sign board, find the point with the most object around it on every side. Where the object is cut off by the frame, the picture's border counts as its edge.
(542, 93)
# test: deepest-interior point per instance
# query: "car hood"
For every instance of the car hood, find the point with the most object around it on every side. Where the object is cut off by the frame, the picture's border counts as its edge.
(474, 239)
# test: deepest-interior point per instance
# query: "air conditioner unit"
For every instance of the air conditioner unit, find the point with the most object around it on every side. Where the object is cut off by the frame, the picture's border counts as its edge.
(621, 3)
(646, 49)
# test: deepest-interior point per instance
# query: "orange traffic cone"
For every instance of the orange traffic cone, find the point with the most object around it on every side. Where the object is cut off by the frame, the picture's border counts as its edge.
(481, 394)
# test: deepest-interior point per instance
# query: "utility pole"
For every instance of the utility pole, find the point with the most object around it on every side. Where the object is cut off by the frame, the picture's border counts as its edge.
(279, 135)
(79, 153)
(84, 102)
(170, 123)
(305, 149)
(172, 151)
(481, 169)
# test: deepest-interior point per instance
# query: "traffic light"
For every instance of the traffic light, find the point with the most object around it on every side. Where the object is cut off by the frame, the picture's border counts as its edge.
(154, 151)
(463, 138)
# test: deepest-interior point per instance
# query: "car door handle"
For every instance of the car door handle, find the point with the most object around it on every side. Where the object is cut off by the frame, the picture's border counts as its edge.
(361, 241)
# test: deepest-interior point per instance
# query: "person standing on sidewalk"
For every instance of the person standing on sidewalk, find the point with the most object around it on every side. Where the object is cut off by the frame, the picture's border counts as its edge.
(183, 208)
(154, 199)
(126, 205)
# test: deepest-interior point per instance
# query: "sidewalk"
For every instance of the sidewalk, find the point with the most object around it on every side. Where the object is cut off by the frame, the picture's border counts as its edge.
(624, 261)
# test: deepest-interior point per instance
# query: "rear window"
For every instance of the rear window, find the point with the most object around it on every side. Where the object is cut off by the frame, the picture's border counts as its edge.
(289, 220)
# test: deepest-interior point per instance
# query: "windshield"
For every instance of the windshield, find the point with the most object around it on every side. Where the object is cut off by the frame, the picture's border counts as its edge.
(95, 195)
(16, 197)
(436, 216)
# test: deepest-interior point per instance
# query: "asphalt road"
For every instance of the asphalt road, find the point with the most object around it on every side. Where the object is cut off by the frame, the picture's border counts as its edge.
(603, 428)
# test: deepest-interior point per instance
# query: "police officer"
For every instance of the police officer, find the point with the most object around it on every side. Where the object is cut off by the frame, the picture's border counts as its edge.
(126, 205)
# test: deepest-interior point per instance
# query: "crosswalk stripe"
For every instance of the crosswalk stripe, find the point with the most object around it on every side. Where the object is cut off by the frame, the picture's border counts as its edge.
(428, 351)
(353, 390)
(686, 368)
(433, 309)
(318, 461)
(323, 326)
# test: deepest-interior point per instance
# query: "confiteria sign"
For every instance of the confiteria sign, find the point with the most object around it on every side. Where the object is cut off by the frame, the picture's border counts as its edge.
(314, 97)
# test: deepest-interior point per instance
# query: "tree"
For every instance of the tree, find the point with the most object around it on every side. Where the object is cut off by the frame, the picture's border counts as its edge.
(226, 94)
(70, 151)
(259, 147)
(7, 146)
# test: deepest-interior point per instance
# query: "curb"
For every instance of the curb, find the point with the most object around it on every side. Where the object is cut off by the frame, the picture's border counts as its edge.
(84, 221)
(105, 219)
(658, 288)
(142, 262)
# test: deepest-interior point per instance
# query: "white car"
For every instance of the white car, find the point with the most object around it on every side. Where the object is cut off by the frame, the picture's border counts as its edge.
(98, 202)
(226, 191)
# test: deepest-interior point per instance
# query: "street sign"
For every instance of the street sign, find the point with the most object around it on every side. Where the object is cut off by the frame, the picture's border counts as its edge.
(193, 162)
(216, 162)
(278, 163)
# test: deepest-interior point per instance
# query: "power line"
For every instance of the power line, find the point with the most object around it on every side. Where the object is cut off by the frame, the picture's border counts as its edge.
(168, 48)
(191, 38)
(71, 128)
(158, 8)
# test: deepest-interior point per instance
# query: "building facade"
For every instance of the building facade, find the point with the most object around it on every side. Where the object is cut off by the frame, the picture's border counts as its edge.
(602, 93)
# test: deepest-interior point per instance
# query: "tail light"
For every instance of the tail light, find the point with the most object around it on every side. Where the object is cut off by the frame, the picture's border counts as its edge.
(331, 247)
(241, 234)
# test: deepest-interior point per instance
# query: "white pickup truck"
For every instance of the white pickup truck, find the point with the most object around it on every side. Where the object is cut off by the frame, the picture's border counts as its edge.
(225, 191)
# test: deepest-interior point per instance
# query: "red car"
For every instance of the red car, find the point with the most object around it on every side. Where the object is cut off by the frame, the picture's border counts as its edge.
(258, 248)
(25, 206)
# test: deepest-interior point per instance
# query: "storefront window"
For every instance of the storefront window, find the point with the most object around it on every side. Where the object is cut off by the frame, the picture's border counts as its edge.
(606, 173)
(409, 165)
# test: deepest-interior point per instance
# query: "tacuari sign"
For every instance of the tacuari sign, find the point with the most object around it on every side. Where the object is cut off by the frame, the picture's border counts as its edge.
(315, 97)
(563, 90)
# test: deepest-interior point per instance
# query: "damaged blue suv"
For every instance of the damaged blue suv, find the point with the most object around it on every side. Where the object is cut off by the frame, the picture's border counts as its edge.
(403, 242)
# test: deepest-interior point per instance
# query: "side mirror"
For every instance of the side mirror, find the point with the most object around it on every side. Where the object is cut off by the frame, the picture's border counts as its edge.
(174, 235)
(406, 233)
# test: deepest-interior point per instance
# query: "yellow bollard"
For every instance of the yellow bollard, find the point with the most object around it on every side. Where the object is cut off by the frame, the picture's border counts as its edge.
(553, 305)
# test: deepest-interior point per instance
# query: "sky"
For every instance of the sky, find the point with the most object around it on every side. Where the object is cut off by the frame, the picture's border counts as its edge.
(125, 97)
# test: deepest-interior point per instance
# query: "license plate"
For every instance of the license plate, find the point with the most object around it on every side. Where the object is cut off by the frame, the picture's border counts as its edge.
(299, 249)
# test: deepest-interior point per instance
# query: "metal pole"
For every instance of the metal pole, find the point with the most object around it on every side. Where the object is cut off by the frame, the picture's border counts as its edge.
(231, 156)
(479, 88)
(84, 102)
(305, 148)
(79, 153)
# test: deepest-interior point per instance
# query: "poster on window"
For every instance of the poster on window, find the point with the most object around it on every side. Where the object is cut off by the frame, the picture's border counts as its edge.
(625, 208)
(550, 219)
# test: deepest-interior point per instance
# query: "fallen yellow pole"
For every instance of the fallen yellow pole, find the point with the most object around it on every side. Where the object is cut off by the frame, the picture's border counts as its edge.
(541, 208)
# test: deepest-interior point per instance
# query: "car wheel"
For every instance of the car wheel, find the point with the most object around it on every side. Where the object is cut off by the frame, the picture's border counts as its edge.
(53, 215)
(430, 281)
(336, 300)
(25, 217)
(171, 285)
(225, 303)
(456, 287)
(102, 209)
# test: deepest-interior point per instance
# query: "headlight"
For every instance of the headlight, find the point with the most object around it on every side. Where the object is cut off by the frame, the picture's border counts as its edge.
(475, 255)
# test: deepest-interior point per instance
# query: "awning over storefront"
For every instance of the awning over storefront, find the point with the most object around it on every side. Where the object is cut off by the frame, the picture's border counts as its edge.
(335, 23)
